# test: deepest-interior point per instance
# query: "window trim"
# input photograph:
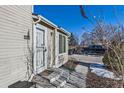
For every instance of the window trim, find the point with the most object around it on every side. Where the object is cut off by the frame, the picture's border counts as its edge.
(65, 50)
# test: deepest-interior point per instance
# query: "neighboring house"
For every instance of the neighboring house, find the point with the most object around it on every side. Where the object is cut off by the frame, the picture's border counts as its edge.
(52, 47)
(28, 46)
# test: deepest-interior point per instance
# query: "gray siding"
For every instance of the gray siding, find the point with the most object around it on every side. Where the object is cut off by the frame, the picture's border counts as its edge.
(15, 21)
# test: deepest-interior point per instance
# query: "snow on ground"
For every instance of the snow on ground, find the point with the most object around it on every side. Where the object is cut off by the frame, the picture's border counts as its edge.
(99, 70)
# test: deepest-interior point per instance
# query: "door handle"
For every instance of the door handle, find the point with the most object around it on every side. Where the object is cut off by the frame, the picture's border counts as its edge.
(44, 49)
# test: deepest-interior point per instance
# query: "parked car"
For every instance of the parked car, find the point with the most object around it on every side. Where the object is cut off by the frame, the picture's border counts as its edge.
(94, 50)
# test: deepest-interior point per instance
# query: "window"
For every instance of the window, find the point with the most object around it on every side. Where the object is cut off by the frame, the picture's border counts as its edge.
(62, 43)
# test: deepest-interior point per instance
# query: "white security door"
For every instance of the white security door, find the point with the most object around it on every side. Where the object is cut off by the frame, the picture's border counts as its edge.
(40, 49)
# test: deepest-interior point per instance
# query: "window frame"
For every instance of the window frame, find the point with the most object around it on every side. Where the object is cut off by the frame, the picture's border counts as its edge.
(62, 43)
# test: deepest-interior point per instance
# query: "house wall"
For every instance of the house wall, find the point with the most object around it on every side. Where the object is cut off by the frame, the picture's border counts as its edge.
(15, 22)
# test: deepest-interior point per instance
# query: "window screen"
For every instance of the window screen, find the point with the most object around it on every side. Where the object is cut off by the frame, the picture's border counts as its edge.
(62, 44)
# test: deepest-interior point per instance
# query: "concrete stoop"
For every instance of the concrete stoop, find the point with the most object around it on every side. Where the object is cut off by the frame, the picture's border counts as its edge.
(60, 78)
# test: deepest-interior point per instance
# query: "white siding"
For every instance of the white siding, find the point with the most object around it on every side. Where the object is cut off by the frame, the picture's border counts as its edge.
(15, 21)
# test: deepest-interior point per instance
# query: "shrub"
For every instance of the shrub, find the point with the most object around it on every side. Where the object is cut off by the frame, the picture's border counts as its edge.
(114, 58)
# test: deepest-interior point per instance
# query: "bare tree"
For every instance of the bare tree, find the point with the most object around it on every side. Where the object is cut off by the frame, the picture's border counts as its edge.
(73, 40)
(86, 39)
(112, 37)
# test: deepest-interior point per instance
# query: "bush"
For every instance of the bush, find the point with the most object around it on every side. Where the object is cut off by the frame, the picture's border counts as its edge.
(114, 61)
(110, 59)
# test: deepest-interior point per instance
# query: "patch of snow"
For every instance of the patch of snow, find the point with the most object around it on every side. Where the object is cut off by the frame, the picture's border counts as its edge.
(99, 70)
(103, 73)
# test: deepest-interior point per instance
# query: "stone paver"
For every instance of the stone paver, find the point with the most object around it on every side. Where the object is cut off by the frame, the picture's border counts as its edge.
(81, 69)
(68, 85)
(78, 82)
(60, 82)
(53, 76)
(79, 75)
(42, 82)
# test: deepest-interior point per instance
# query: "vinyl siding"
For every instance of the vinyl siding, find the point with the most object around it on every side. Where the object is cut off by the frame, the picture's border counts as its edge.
(15, 22)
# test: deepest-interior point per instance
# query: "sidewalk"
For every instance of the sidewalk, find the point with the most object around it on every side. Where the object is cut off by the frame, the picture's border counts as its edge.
(86, 58)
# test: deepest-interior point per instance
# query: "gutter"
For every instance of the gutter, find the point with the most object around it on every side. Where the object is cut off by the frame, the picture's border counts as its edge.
(41, 18)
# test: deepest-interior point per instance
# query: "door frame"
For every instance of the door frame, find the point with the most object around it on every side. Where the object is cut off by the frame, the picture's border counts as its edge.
(35, 70)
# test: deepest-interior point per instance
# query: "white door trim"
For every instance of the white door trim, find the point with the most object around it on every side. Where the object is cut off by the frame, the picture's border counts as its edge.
(36, 71)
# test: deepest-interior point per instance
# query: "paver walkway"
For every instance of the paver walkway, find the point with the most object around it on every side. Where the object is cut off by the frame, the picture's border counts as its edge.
(64, 78)
(61, 78)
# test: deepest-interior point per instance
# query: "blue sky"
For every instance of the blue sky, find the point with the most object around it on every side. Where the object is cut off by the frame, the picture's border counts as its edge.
(69, 16)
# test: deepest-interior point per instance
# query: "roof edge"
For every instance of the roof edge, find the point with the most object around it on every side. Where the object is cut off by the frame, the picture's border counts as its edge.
(51, 23)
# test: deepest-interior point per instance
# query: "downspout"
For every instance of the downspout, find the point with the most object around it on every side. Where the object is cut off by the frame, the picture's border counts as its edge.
(34, 22)
(39, 19)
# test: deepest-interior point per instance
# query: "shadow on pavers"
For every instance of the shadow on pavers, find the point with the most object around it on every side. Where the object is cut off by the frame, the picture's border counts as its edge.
(86, 63)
